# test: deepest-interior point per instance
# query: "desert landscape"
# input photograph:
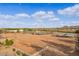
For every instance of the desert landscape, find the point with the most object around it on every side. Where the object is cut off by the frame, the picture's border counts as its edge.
(39, 29)
(32, 44)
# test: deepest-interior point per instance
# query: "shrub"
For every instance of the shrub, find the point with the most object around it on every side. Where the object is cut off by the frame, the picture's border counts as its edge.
(13, 49)
(8, 42)
(18, 52)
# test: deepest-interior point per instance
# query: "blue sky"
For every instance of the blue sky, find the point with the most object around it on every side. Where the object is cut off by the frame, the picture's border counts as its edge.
(45, 15)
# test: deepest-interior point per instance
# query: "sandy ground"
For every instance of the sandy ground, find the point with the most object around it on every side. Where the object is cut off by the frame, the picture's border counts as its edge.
(32, 43)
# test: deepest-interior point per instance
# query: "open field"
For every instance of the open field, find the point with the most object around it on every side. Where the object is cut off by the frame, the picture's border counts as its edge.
(31, 44)
(39, 29)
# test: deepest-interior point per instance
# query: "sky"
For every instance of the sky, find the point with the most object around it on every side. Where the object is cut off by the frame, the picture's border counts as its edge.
(38, 15)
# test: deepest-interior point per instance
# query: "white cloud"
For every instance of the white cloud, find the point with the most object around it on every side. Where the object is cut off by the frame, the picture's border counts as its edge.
(24, 19)
(75, 23)
(15, 17)
(42, 15)
(54, 19)
(72, 11)
(39, 25)
(22, 15)
(38, 16)
(3, 16)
